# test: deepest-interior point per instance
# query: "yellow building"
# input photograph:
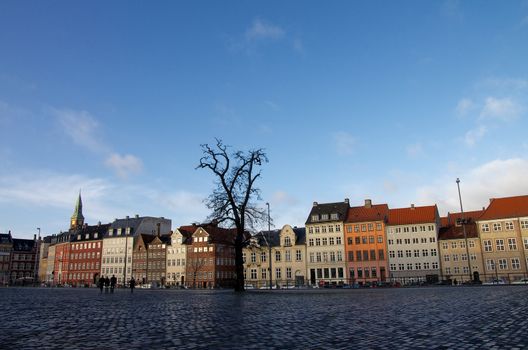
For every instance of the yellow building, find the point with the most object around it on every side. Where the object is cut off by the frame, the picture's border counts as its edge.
(503, 231)
(325, 243)
(288, 258)
(460, 257)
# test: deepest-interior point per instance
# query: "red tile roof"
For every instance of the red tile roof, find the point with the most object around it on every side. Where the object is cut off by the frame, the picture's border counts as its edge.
(364, 213)
(413, 215)
(508, 207)
(450, 230)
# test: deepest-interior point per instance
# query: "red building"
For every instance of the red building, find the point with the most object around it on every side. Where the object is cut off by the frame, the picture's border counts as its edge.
(85, 255)
(210, 256)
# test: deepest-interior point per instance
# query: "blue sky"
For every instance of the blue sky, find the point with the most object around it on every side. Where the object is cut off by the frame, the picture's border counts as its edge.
(377, 99)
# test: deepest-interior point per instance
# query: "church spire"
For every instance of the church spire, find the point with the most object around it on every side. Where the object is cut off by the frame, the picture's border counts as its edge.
(77, 219)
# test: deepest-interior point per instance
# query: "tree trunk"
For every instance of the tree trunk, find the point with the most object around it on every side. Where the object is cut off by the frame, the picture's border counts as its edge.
(239, 263)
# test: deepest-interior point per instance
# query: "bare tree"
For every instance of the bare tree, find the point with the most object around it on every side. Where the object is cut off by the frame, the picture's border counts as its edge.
(232, 199)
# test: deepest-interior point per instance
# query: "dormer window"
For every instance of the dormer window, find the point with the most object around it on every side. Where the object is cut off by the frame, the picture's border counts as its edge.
(324, 217)
(333, 216)
(78, 237)
(87, 236)
(127, 231)
(96, 235)
(119, 231)
(315, 217)
(110, 231)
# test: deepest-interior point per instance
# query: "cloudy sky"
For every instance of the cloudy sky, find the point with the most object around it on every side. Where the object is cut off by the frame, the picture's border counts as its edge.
(384, 100)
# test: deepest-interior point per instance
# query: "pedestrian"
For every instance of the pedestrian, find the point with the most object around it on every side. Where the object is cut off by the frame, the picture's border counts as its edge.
(113, 282)
(100, 283)
(132, 284)
(106, 283)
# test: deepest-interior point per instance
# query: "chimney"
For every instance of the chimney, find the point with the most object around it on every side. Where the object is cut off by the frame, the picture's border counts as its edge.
(315, 204)
(127, 217)
(162, 218)
(368, 203)
(347, 201)
(137, 216)
(412, 206)
(491, 200)
(99, 223)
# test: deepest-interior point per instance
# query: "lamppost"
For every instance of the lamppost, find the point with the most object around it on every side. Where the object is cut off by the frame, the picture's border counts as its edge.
(464, 228)
(269, 246)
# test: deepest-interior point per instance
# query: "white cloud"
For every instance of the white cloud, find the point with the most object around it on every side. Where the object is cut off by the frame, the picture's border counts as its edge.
(124, 165)
(345, 143)
(464, 106)
(504, 109)
(261, 29)
(497, 178)
(81, 127)
(474, 135)
(414, 150)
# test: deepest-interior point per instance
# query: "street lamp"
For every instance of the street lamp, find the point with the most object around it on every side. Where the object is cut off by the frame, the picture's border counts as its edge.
(464, 229)
(269, 245)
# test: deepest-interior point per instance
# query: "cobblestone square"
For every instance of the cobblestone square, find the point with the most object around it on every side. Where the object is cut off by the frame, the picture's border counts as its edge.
(420, 318)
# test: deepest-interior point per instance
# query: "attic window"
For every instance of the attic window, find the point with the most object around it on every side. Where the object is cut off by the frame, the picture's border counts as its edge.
(87, 236)
(333, 216)
(96, 235)
(458, 222)
(79, 237)
(127, 230)
(324, 217)
(315, 217)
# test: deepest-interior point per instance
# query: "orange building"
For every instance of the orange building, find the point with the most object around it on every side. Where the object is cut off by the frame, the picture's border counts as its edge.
(365, 242)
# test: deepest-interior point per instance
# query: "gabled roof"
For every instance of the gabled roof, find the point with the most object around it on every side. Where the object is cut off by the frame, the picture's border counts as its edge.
(216, 234)
(5, 238)
(375, 212)
(339, 208)
(413, 215)
(91, 230)
(451, 230)
(274, 237)
(507, 207)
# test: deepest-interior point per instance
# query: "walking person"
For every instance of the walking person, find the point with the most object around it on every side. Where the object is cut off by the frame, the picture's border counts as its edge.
(113, 282)
(107, 284)
(100, 284)
(132, 284)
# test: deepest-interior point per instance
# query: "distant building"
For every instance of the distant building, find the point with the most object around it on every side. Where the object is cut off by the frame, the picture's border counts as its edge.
(118, 243)
(6, 246)
(365, 242)
(325, 243)
(24, 261)
(412, 241)
(459, 260)
(503, 231)
(288, 258)
(176, 258)
(210, 256)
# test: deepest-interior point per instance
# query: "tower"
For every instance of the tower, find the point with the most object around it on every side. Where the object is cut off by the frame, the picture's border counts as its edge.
(77, 219)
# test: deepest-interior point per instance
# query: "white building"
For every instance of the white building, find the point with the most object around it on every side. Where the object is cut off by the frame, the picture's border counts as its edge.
(176, 256)
(118, 243)
(412, 242)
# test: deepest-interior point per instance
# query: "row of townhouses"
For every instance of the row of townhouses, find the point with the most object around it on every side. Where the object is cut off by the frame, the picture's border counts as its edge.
(340, 244)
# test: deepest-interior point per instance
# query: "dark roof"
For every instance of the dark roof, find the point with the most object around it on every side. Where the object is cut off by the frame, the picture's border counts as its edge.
(91, 230)
(413, 215)
(5, 238)
(339, 208)
(300, 235)
(505, 208)
(452, 227)
(377, 212)
(274, 237)
(216, 233)
(23, 245)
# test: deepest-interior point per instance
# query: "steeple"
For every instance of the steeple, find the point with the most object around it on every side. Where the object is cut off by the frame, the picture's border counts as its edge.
(77, 219)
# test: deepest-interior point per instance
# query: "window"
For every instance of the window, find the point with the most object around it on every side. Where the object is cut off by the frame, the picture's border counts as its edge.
(497, 226)
(372, 254)
(408, 253)
(512, 243)
(381, 254)
(325, 241)
(358, 255)
(526, 243)
(312, 257)
(392, 254)
(317, 241)
(338, 240)
(485, 228)
(278, 273)
(315, 217)
(435, 265)
(509, 225)
(380, 239)
(371, 239)
(398, 241)
(447, 257)
(515, 263)
(401, 266)
(318, 256)
(277, 256)
(409, 266)
(471, 244)
(414, 229)
(317, 229)
(310, 229)
(287, 255)
(456, 270)
(407, 241)
(415, 240)
(363, 227)
(524, 224)
(405, 229)
(356, 228)
(263, 256)
(487, 245)
(253, 257)
(418, 266)
(350, 256)
(263, 274)
(490, 265)
(365, 255)
(364, 239)
(339, 256)
(338, 228)
(253, 274)
(416, 253)
(500, 244)
(448, 270)
(453, 245)
(298, 255)
(378, 226)
(400, 253)
(311, 242)
(464, 256)
(358, 240)
(350, 240)
(330, 228)
(473, 256)
(433, 252)
(425, 252)
(287, 241)
(332, 256)
(371, 227)
(323, 229)
(392, 267)
(426, 266)
(324, 217)
(455, 257)
(333, 216)
(349, 229)
(445, 245)
(503, 264)
(390, 241)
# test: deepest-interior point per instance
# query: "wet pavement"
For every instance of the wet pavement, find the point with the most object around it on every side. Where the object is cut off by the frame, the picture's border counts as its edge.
(494, 317)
